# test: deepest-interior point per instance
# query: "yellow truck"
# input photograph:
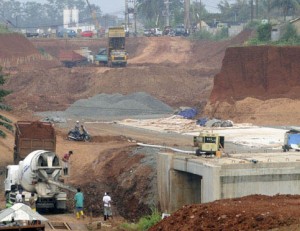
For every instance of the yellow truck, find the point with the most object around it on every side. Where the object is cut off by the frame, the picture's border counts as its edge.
(117, 55)
(208, 143)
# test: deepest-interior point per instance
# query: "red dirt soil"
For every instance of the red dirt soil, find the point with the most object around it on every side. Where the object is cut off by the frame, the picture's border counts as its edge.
(255, 212)
(178, 72)
(257, 84)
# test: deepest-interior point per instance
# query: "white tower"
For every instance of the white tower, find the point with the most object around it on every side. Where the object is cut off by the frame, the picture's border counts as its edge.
(67, 17)
(75, 16)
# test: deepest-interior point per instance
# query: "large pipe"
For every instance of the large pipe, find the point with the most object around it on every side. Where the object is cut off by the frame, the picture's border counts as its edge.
(166, 147)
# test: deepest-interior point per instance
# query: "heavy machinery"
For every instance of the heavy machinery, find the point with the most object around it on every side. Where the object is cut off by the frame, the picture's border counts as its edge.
(31, 136)
(208, 143)
(117, 55)
(101, 57)
(94, 16)
(39, 173)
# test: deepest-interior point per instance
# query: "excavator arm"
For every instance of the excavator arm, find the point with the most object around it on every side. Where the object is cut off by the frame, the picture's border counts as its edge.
(93, 13)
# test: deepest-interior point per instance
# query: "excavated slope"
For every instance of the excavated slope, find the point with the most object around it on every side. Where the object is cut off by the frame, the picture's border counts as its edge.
(260, 84)
(259, 72)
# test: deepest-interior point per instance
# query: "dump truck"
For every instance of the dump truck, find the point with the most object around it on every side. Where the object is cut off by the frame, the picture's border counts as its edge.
(208, 143)
(31, 136)
(291, 140)
(101, 57)
(117, 55)
(39, 173)
(70, 58)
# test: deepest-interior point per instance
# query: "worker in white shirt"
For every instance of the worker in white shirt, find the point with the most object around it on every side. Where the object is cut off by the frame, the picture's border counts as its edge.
(19, 197)
(107, 206)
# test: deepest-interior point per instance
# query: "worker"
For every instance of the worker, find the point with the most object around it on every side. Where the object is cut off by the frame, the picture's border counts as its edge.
(77, 126)
(19, 197)
(66, 160)
(32, 202)
(9, 203)
(79, 199)
(107, 206)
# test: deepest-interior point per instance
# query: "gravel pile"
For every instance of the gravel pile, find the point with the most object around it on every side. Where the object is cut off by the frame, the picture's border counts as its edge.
(114, 106)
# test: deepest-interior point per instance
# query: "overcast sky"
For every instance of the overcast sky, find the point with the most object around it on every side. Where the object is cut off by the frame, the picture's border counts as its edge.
(118, 6)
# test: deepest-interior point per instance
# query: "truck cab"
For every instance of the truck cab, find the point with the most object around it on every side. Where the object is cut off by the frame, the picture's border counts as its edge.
(118, 58)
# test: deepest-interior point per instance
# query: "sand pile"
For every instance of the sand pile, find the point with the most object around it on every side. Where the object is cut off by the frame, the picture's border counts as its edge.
(105, 106)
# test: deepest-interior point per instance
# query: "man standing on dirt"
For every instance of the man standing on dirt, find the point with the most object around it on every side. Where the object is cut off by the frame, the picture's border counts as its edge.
(107, 206)
(66, 160)
(79, 198)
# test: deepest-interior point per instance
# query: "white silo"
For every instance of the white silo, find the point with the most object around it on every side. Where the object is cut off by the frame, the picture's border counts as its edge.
(67, 17)
(75, 16)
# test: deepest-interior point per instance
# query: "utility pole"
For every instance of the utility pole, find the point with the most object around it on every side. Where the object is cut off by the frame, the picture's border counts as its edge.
(251, 7)
(256, 5)
(200, 15)
(134, 16)
(187, 14)
(269, 9)
(130, 8)
(126, 15)
(167, 14)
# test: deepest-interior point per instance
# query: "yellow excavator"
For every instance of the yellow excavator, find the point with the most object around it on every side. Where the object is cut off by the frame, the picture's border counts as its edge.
(94, 16)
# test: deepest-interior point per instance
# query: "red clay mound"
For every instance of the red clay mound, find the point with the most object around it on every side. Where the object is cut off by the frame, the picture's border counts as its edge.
(15, 45)
(258, 85)
(258, 72)
(247, 213)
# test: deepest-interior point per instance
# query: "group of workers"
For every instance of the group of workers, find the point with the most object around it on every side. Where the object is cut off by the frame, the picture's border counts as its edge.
(78, 198)
(79, 201)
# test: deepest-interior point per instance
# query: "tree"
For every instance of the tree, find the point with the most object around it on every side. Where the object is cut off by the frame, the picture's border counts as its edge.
(4, 122)
(287, 6)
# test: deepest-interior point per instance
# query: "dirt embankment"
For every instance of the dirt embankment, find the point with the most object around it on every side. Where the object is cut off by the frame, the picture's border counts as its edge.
(257, 84)
(257, 212)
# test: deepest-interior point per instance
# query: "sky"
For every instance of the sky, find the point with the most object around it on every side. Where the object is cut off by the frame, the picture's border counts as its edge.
(117, 7)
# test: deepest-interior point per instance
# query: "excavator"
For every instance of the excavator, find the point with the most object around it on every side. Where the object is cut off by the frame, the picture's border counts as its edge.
(93, 13)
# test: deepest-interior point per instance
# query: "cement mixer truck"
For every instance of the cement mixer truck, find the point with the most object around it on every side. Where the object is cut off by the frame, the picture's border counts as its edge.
(39, 173)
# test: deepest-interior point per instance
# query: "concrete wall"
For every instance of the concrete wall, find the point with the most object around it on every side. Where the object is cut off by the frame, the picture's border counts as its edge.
(186, 179)
(260, 178)
(297, 26)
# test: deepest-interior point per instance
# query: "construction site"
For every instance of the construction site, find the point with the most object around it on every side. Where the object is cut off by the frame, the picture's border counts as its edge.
(142, 152)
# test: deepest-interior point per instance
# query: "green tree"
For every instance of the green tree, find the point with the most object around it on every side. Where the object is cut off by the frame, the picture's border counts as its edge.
(287, 6)
(4, 122)
(264, 32)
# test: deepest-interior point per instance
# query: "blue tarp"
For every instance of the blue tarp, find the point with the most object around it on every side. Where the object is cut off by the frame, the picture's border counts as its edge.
(188, 113)
(202, 121)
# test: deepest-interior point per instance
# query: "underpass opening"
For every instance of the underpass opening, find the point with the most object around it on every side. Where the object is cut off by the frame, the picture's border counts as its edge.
(185, 189)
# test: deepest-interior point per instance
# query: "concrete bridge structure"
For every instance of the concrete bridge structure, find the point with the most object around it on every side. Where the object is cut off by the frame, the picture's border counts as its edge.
(187, 179)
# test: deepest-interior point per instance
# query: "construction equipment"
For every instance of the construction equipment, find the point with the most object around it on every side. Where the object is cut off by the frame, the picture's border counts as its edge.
(291, 140)
(94, 16)
(117, 55)
(31, 136)
(39, 173)
(101, 57)
(70, 58)
(208, 143)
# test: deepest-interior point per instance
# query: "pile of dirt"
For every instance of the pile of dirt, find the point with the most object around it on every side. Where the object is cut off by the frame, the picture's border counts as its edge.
(15, 45)
(256, 212)
(251, 78)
